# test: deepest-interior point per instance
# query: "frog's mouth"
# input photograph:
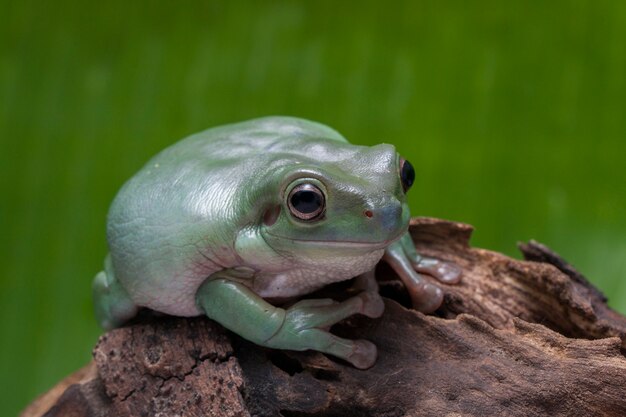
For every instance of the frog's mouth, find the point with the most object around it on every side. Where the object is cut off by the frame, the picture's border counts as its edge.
(342, 243)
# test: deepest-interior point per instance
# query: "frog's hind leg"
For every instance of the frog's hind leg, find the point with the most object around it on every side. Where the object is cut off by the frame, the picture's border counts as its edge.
(112, 304)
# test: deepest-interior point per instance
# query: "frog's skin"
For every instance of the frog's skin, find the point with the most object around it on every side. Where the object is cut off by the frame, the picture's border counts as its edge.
(206, 227)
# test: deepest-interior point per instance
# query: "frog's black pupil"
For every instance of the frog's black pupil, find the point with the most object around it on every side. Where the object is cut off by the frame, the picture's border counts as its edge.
(407, 175)
(306, 201)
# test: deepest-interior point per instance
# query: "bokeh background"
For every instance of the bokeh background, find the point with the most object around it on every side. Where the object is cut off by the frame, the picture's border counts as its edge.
(512, 112)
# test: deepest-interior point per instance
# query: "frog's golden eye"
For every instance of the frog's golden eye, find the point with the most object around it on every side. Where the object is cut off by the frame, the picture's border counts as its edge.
(407, 174)
(306, 202)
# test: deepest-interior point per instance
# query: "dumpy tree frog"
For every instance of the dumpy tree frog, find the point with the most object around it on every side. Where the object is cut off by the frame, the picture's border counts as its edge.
(234, 220)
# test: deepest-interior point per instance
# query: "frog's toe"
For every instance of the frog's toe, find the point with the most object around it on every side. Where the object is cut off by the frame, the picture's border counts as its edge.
(363, 354)
(426, 298)
(373, 305)
(446, 272)
(112, 305)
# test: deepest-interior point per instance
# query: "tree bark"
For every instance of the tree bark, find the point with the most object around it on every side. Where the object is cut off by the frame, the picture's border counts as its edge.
(514, 338)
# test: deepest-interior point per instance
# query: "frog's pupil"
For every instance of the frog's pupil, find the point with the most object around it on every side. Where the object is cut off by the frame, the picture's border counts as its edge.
(407, 175)
(306, 201)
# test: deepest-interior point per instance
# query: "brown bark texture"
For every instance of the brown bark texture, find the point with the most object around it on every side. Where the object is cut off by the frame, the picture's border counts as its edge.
(514, 338)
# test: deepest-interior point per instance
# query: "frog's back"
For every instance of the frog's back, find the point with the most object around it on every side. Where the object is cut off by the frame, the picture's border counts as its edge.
(174, 223)
(241, 140)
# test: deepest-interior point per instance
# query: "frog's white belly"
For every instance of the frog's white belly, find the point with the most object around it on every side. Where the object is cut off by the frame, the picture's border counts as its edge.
(303, 279)
(176, 294)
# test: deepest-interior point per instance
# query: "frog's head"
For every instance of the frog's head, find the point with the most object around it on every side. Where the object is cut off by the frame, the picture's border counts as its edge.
(338, 197)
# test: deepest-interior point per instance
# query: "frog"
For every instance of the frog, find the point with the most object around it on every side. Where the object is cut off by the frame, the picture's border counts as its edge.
(240, 222)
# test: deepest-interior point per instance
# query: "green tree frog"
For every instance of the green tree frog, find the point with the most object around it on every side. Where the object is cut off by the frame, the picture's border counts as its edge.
(237, 219)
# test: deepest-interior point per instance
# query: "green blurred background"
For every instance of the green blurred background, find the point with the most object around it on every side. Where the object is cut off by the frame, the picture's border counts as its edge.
(512, 112)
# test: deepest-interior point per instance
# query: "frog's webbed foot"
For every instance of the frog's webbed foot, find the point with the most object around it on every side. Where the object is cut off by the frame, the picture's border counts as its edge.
(112, 304)
(302, 326)
(405, 260)
(307, 322)
(446, 272)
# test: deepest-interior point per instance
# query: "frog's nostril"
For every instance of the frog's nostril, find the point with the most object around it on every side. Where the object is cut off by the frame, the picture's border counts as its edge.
(368, 213)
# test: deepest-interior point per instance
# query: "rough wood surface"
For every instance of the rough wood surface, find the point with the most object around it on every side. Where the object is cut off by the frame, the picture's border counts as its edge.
(518, 338)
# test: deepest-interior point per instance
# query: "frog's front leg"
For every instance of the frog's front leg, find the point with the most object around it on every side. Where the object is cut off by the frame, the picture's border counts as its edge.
(405, 260)
(367, 285)
(302, 326)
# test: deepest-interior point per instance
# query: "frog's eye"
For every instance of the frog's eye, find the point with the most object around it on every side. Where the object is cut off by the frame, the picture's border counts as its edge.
(407, 174)
(306, 201)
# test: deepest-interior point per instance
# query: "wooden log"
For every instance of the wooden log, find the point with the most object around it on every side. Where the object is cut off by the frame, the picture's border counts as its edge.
(515, 338)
